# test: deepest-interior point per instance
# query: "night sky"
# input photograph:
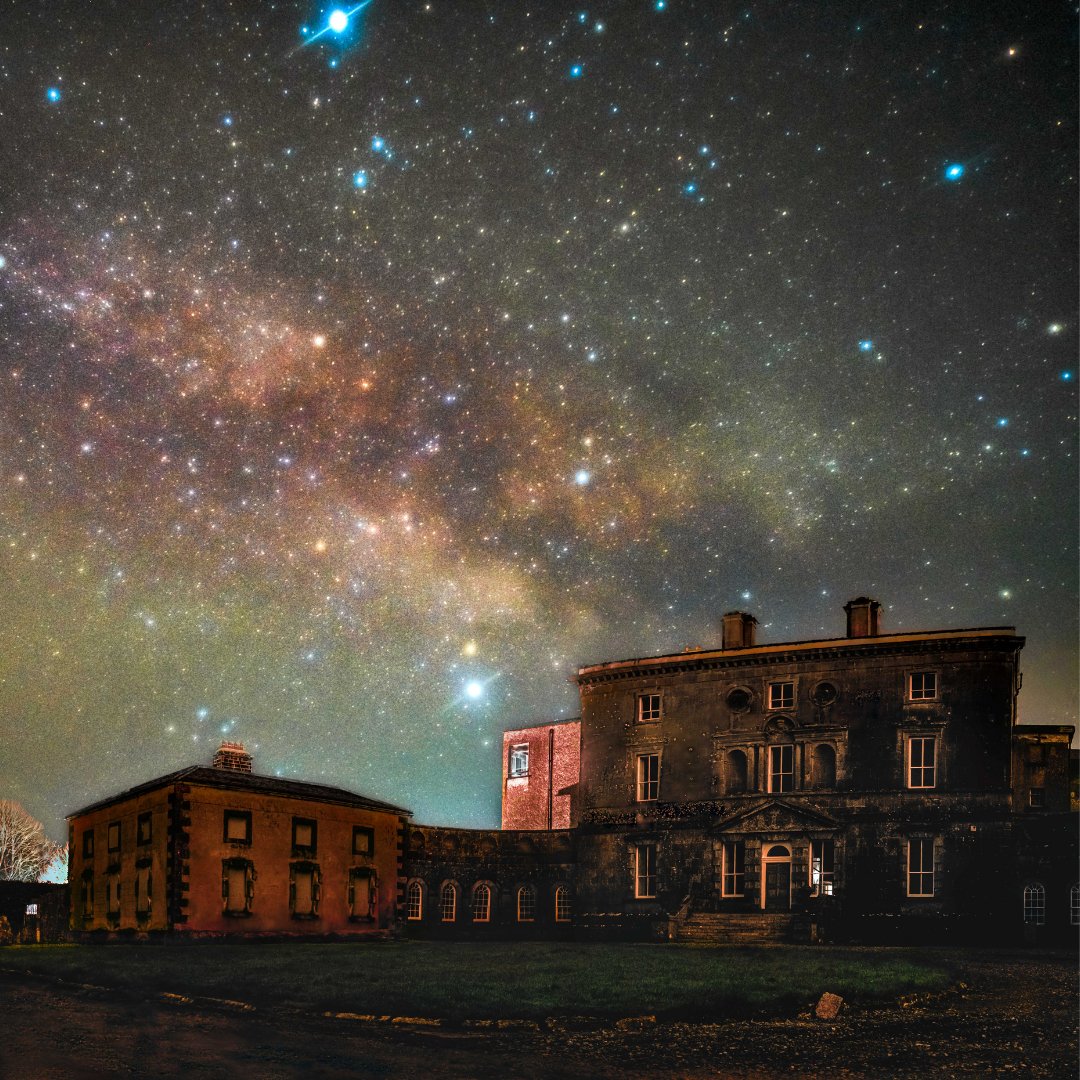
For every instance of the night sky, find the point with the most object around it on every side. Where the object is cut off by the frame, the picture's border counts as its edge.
(358, 386)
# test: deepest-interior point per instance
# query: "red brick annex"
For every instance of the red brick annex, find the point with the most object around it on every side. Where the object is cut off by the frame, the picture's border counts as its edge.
(872, 787)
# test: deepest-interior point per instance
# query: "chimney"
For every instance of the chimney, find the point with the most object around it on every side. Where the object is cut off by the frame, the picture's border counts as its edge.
(863, 617)
(232, 757)
(738, 630)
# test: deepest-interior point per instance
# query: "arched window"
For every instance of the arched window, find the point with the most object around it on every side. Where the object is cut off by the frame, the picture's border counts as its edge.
(526, 904)
(1034, 904)
(563, 907)
(1074, 905)
(824, 765)
(481, 903)
(736, 771)
(448, 902)
(414, 901)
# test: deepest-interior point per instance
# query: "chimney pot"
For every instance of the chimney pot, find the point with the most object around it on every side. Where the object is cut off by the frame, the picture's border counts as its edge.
(863, 617)
(232, 757)
(738, 630)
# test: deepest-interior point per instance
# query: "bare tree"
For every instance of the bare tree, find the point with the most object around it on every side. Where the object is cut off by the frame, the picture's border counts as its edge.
(25, 850)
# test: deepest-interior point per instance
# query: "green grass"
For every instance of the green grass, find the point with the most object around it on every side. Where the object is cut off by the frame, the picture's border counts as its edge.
(508, 980)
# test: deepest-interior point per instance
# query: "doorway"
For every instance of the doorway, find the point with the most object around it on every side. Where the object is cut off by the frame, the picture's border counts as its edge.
(776, 879)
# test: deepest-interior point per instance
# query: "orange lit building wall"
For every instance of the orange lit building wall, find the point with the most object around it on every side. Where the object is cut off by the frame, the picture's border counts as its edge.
(539, 798)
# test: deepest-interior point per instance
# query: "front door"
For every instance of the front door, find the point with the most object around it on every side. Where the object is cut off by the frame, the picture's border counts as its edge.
(778, 886)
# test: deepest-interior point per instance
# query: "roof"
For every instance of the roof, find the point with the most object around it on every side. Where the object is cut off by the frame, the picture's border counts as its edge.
(227, 780)
(758, 653)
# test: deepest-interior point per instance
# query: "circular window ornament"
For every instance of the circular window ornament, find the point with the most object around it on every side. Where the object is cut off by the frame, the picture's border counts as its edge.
(825, 693)
(739, 699)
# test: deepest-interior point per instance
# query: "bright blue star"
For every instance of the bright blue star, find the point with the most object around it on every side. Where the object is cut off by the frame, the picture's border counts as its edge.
(660, 5)
(53, 94)
(954, 172)
(337, 22)
(690, 188)
(866, 345)
(474, 690)
(1066, 376)
(583, 17)
(226, 121)
(1002, 421)
(360, 179)
(582, 477)
(577, 70)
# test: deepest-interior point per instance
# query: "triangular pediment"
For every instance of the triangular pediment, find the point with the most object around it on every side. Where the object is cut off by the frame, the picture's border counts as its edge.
(777, 815)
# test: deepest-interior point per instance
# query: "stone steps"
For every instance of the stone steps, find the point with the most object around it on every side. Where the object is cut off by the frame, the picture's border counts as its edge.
(704, 928)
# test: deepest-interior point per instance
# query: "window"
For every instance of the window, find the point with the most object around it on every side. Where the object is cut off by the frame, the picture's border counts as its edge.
(823, 761)
(563, 907)
(922, 686)
(363, 840)
(237, 886)
(305, 836)
(448, 902)
(782, 767)
(414, 901)
(921, 761)
(1074, 905)
(305, 889)
(1036, 798)
(648, 708)
(112, 896)
(31, 909)
(237, 827)
(739, 699)
(648, 777)
(144, 889)
(822, 867)
(920, 871)
(87, 891)
(114, 836)
(144, 831)
(362, 893)
(645, 871)
(88, 844)
(519, 760)
(734, 868)
(1034, 905)
(782, 695)
(481, 903)
(526, 904)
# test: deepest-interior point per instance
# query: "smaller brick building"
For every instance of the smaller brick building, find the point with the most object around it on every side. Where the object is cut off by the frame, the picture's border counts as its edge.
(221, 850)
(540, 769)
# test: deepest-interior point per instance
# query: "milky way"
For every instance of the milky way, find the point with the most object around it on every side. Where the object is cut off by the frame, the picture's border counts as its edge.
(359, 383)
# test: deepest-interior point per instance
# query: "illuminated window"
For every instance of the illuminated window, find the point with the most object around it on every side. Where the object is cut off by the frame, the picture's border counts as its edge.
(31, 909)
(114, 836)
(362, 895)
(481, 903)
(563, 905)
(648, 708)
(448, 902)
(526, 904)
(822, 867)
(305, 890)
(1074, 905)
(782, 695)
(648, 777)
(1034, 905)
(782, 767)
(237, 886)
(88, 844)
(645, 871)
(144, 831)
(922, 686)
(414, 901)
(1036, 798)
(363, 840)
(922, 761)
(519, 760)
(734, 868)
(144, 891)
(920, 871)
(237, 826)
(305, 836)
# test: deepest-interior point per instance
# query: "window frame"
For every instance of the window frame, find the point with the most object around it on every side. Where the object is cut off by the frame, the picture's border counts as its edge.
(733, 868)
(564, 911)
(1034, 904)
(144, 873)
(236, 815)
(822, 869)
(113, 890)
(305, 849)
(774, 774)
(113, 831)
(312, 870)
(647, 785)
(414, 901)
(517, 766)
(144, 829)
(917, 873)
(645, 883)
(368, 833)
(448, 889)
(922, 767)
(88, 843)
(1074, 905)
(247, 868)
(87, 895)
(481, 908)
(923, 694)
(785, 701)
(526, 904)
(649, 707)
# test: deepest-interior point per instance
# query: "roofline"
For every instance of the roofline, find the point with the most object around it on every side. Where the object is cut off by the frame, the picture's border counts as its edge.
(696, 656)
(1022, 729)
(349, 798)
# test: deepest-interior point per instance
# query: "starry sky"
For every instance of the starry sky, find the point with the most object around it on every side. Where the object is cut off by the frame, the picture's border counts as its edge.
(366, 370)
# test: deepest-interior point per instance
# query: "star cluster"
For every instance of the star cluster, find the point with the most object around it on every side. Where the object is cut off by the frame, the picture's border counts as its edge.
(366, 369)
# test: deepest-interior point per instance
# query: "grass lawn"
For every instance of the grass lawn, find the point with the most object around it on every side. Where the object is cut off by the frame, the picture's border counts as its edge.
(509, 980)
